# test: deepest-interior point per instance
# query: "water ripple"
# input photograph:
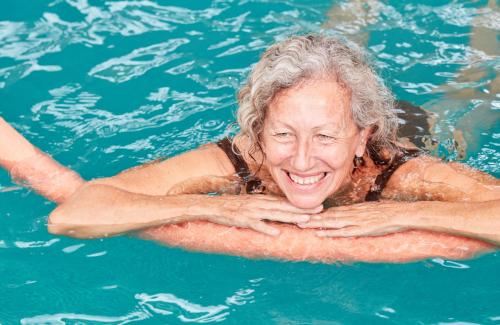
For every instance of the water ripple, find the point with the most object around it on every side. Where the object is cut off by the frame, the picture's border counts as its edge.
(16, 72)
(459, 15)
(36, 244)
(168, 304)
(50, 34)
(75, 109)
(138, 62)
(450, 264)
(64, 318)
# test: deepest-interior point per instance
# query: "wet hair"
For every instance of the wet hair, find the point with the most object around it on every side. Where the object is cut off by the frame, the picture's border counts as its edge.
(299, 59)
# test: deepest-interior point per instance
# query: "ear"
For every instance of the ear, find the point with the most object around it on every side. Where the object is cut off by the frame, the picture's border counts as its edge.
(363, 139)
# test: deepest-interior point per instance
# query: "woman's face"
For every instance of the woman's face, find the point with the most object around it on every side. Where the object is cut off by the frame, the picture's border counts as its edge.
(310, 141)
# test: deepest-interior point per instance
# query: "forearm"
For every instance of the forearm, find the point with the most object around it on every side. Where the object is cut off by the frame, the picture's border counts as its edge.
(28, 165)
(13, 146)
(480, 220)
(98, 210)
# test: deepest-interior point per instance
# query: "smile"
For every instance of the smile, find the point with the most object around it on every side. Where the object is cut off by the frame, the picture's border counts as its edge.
(306, 180)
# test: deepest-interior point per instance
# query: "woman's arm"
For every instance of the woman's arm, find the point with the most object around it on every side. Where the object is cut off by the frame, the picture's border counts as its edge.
(100, 210)
(137, 199)
(455, 199)
(30, 166)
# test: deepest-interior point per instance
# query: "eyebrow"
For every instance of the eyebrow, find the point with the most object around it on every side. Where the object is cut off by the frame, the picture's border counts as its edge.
(337, 130)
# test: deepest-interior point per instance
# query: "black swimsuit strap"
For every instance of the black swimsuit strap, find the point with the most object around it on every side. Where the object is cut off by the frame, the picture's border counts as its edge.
(382, 179)
(253, 184)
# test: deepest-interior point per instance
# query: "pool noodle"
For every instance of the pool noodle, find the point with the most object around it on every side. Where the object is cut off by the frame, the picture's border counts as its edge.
(295, 244)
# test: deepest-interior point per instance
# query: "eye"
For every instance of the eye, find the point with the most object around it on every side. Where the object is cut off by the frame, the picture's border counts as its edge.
(282, 134)
(325, 138)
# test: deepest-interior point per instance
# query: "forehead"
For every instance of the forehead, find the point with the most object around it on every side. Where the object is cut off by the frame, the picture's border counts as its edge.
(313, 102)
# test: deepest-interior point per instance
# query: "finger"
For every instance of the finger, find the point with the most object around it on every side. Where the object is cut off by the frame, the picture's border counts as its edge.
(287, 206)
(286, 217)
(356, 207)
(353, 216)
(264, 228)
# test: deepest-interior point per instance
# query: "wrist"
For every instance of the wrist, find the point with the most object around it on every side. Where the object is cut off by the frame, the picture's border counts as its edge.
(185, 207)
(428, 215)
(414, 215)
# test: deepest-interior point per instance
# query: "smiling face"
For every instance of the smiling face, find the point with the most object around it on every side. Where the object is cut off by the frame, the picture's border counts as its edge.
(310, 140)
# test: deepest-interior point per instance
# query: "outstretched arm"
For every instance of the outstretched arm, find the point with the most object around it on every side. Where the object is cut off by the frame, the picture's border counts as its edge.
(30, 166)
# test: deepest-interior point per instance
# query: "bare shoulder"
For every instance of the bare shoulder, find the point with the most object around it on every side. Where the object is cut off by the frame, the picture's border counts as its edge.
(429, 178)
(157, 177)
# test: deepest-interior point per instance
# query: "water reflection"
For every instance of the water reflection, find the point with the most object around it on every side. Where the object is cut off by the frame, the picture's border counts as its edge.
(159, 307)
(138, 62)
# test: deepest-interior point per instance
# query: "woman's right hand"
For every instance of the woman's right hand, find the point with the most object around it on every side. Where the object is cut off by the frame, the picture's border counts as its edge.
(245, 211)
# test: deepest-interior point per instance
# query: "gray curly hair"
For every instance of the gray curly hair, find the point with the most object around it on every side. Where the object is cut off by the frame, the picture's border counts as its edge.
(299, 58)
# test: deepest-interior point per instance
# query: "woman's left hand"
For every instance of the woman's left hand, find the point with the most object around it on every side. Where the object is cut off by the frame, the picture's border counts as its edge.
(363, 219)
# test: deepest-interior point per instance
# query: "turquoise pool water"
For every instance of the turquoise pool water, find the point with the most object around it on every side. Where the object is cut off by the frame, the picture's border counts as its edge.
(107, 85)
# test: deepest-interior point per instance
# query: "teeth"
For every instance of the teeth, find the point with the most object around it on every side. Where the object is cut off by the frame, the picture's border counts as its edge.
(306, 180)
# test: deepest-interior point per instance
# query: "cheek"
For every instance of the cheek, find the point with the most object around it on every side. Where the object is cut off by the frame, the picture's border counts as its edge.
(276, 153)
(337, 158)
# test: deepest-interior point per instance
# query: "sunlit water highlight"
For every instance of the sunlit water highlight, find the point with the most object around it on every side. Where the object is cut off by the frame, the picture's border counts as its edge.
(106, 85)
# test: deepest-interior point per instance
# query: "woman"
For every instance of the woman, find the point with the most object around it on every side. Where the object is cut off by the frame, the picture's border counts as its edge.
(317, 126)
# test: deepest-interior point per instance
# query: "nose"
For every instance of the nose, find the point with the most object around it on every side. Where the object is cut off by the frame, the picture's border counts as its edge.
(303, 158)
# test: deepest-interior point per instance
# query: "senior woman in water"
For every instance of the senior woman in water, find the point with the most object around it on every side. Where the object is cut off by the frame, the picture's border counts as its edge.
(317, 128)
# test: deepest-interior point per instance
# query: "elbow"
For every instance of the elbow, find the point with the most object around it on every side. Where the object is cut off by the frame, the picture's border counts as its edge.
(57, 223)
(77, 216)
(63, 223)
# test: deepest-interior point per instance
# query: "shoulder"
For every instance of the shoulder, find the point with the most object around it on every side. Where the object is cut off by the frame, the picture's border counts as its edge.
(429, 178)
(159, 176)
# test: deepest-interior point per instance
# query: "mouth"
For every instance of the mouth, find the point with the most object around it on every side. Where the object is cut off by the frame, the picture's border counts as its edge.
(306, 181)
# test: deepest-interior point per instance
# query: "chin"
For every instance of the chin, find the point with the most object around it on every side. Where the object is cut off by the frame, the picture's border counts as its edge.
(305, 202)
